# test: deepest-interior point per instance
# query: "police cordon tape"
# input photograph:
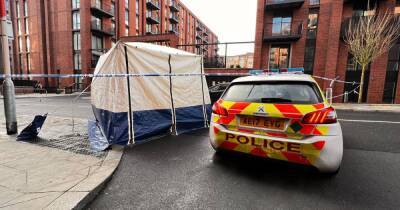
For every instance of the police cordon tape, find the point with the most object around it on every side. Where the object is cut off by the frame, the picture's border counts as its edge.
(21, 76)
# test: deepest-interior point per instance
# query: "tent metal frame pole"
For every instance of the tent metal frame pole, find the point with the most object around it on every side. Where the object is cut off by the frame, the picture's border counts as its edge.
(206, 123)
(130, 141)
(174, 130)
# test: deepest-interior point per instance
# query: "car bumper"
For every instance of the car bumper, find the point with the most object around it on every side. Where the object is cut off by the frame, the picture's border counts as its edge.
(323, 152)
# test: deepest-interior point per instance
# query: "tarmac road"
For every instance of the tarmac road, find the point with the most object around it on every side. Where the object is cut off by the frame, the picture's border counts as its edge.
(184, 172)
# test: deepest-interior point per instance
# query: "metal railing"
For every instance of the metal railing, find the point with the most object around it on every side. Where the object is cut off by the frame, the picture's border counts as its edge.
(153, 4)
(101, 6)
(283, 29)
(223, 55)
(283, 1)
(99, 27)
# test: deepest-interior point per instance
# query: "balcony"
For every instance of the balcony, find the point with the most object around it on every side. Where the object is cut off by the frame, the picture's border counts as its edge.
(96, 53)
(153, 4)
(205, 33)
(173, 18)
(283, 32)
(101, 10)
(198, 36)
(283, 4)
(173, 29)
(152, 19)
(174, 6)
(101, 30)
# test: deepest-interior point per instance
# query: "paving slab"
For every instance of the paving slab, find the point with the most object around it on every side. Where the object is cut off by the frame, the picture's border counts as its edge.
(37, 175)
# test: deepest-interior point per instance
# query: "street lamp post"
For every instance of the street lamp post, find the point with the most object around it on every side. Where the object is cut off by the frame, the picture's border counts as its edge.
(8, 85)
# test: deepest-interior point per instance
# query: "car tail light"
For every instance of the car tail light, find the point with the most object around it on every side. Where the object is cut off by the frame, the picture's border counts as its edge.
(218, 109)
(324, 116)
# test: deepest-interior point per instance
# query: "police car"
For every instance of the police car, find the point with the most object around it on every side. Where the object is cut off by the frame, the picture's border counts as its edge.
(282, 116)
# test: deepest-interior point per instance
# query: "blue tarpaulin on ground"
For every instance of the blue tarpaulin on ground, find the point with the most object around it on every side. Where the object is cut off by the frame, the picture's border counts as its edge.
(33, 129)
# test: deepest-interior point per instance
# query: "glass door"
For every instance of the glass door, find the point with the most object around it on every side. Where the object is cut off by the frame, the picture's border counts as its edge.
(279, 56)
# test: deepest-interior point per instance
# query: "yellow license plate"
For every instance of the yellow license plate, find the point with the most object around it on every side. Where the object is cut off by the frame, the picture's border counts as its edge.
(262, 122)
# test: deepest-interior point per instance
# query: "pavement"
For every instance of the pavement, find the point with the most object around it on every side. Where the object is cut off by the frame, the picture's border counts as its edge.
(183, 172)
(394, 108)
(58, 170)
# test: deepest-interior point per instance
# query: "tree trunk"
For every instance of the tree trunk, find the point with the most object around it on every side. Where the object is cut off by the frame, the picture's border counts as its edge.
(360, 94)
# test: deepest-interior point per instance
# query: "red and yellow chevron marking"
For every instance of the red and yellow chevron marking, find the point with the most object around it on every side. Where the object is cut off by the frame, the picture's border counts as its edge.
(293, 112)
(305, 154)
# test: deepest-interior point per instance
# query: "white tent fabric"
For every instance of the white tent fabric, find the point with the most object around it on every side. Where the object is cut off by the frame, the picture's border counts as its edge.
(139, 108)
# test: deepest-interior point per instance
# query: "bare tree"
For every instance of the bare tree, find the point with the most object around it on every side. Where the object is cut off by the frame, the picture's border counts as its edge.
(369, 37)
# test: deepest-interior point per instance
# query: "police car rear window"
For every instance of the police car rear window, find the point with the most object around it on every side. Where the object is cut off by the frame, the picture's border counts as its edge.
(274, 92)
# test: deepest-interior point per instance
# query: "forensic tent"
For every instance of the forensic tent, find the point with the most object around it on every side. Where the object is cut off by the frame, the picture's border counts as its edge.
(165, 92)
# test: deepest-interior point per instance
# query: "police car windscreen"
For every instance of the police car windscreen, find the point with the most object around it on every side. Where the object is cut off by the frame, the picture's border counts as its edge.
(274, 92)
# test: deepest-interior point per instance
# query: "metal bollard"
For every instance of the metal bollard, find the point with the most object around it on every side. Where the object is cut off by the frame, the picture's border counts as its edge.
(346, 97)
(329, 95)
(9, 106)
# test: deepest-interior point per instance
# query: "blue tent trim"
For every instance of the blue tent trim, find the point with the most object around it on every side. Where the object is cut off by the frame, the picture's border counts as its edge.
(191, 118)
(114, 125)
(150, 123)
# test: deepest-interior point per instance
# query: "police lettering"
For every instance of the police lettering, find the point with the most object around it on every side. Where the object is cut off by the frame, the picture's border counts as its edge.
(274, 145)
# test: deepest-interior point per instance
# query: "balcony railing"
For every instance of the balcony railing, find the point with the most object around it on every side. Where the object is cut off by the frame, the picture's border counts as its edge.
(152, 18)
(198, 36)
(283, 4)
(174, 6)
(100, 29)
(173, 29)
(153, 4)
(174, 18)
(96, 53)
(101, 9)
(285, 31)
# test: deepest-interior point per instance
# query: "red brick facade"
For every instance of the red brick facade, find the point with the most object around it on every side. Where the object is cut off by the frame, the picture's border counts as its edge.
(331, 54)
(50, 27)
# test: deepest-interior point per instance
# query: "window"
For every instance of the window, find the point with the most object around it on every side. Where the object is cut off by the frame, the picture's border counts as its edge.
(77, 41)
(76, 20)
(26, 26)
(19, 27)
(76, 4)
(352, 65)
(281, 25)
(97, 23)
(28, 63)
(314, 2)
(274, 92)
(17, 8)
(126, 30)
(127, 17)
(361, 8)
(309, 54)
(137, 22)
(312, 24)
(137, 7)
(279, 57)
(392, 73)
(20, 44)
(28, 44)
(77, 61)
(97, 42)
(97, 3)
(25, 8)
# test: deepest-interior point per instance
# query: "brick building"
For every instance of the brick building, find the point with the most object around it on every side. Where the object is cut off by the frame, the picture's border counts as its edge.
(309, 34)
(68, 36)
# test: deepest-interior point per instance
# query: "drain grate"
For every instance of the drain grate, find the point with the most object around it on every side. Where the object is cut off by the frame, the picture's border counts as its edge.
(76, 143)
